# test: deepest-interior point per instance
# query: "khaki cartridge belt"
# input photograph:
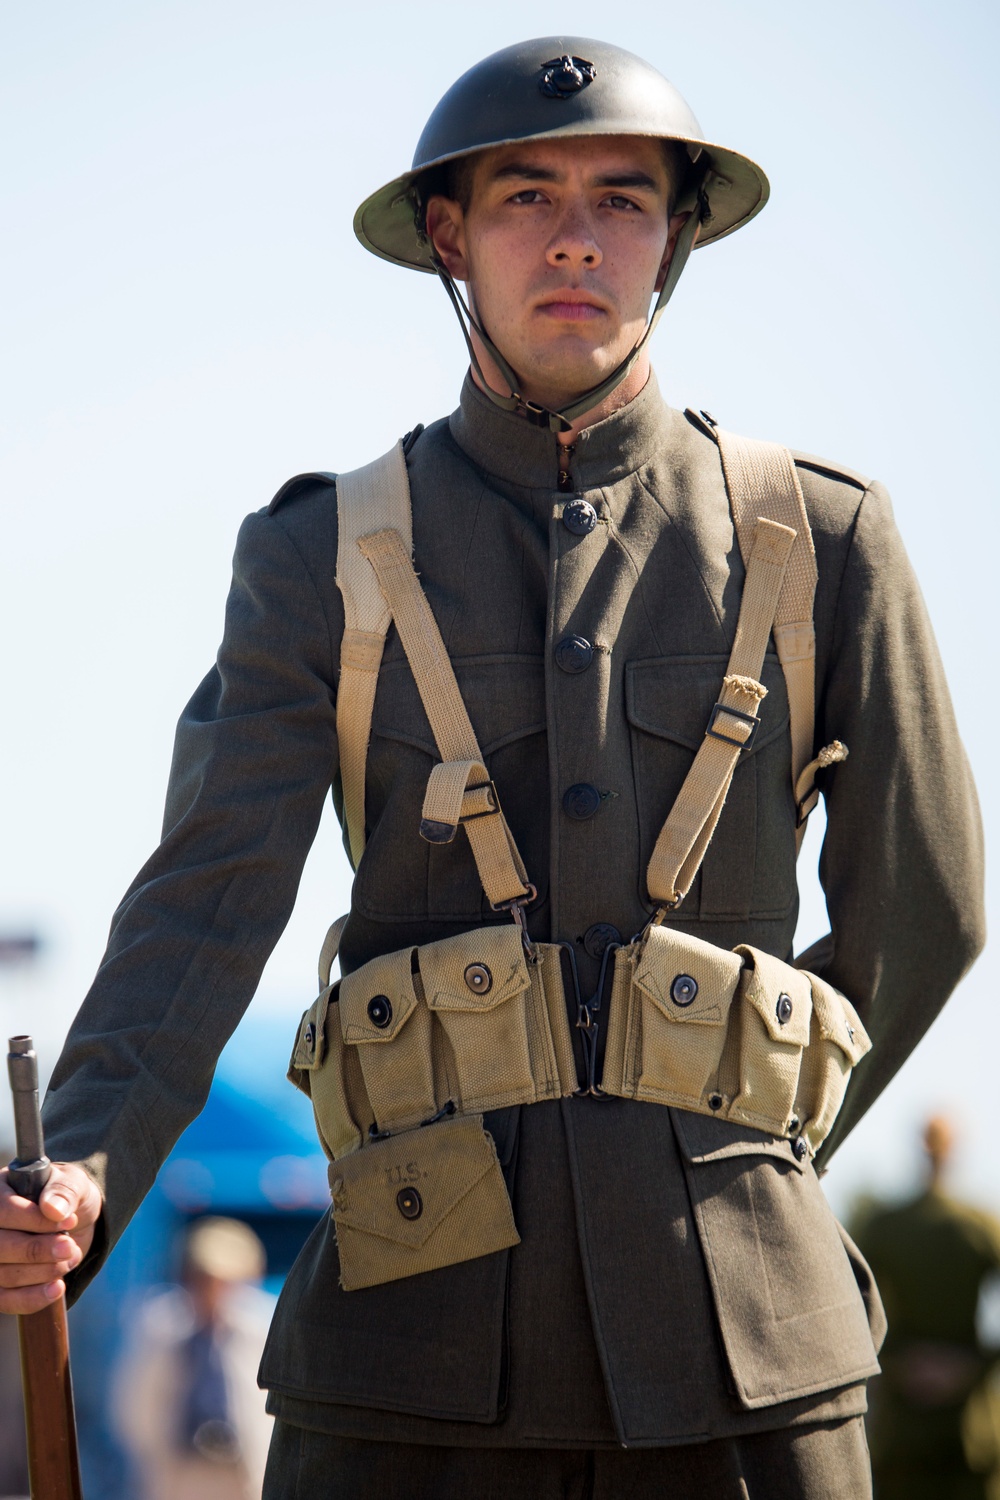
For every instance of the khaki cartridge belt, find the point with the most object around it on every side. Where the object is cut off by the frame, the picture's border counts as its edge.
(480, 1021)
(403, 1057)
(446, 1032)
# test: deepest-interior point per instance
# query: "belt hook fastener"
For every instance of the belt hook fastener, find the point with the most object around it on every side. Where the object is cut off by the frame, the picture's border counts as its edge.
(589, 1026)
(516, 909)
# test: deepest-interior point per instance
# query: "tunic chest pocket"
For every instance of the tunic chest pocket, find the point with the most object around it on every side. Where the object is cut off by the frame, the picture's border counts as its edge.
(749, 870)
(401, 877)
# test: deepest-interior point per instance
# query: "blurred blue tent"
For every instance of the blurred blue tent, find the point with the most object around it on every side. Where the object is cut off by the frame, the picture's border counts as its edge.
(252, 1153)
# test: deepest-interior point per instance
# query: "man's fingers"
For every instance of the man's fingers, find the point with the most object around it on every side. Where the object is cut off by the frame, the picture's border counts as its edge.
(41, 1242)
(31, 1299)
(34, 1249)
(70, 1195)
(70, 1199)
(14, 1277)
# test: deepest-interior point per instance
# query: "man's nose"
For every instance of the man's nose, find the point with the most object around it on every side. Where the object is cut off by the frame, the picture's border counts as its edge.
(574, 245)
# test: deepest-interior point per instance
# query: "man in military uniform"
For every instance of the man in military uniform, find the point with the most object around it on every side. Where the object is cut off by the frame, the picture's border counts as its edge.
(932, 1429)
(676, 1311)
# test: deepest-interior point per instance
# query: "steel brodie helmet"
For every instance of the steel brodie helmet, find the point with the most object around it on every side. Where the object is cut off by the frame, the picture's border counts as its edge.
(548, 89)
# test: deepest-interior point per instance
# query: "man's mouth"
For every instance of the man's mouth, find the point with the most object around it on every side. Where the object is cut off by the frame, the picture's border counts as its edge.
(571, 306)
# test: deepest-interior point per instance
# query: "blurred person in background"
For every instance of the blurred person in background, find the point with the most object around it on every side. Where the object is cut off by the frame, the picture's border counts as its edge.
(187, 1405)
(934, 1424)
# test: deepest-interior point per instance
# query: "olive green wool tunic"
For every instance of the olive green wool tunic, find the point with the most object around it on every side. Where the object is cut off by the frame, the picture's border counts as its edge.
(678, 1277)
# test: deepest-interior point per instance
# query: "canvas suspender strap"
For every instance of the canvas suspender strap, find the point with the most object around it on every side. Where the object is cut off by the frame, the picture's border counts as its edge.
(459, 790)
(375, 496)
(330, 949)
(761, 480)
(686, 834)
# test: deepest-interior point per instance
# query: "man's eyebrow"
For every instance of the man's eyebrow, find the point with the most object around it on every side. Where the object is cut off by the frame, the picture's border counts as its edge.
(628, 180)
(524, 172)
(520, 169)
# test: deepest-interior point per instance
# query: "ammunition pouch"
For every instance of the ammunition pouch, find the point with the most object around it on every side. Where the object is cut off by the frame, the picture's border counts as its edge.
(403, 1057)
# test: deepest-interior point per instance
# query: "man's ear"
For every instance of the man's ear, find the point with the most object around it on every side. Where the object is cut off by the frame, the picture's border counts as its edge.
(446, 232)
(677, 222)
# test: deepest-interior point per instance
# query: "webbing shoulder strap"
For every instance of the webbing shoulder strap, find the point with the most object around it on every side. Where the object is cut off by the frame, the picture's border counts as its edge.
(761, 480)
(687, 832)
(368, 499)
(459, 791)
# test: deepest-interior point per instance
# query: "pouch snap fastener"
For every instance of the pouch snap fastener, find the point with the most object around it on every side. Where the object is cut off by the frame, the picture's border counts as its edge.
(380, 1011)
(715, 1101)
(479, 979)
(409, 1203)
(684, 989)
(783, 1009)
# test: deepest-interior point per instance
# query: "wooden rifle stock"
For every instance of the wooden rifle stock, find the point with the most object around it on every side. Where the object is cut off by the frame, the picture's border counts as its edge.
(53, 1463)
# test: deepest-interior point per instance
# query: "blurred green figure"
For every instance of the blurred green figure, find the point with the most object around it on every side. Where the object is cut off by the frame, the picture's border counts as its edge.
(934, 1427)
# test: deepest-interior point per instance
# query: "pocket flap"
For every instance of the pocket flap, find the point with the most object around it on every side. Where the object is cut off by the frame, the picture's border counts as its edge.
(378, 999)
(837, 1020)
(705, 1138)
(688, 979)
(672, 697)
(310, 1040)
(403, 1188)
(781, 996)
(474, 971)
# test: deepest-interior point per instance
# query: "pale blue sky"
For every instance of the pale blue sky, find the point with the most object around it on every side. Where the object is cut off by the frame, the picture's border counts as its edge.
(187, 320)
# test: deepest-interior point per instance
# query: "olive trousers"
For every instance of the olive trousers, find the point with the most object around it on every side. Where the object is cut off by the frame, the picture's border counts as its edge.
(828, 1461)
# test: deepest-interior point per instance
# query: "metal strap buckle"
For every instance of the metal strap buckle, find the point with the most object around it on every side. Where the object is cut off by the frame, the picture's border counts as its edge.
(734, 713)
(492, 799)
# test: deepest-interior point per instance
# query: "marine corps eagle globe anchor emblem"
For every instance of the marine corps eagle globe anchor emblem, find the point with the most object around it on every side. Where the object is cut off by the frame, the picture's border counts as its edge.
(566, 75)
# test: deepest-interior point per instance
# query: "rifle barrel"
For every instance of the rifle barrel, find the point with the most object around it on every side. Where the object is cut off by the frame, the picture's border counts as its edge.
(30, 1169)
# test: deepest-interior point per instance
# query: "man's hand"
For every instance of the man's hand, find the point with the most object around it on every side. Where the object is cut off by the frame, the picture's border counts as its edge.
(40, 1243)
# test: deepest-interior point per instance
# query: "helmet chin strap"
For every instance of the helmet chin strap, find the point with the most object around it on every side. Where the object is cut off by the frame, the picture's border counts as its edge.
(541, 416)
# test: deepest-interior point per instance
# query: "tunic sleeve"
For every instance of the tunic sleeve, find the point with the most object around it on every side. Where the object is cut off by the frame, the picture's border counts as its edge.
(902, 861)
(253, 760)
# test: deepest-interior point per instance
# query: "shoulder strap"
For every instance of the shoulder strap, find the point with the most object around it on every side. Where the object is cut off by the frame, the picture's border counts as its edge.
(459, 791)
(761, 481)
(687, 832)
(376, 577)
(368, 499)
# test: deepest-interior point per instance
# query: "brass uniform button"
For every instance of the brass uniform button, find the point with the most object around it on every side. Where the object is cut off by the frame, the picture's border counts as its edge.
(574, 654)
(579, 517)
(598, 937)
(581, 801)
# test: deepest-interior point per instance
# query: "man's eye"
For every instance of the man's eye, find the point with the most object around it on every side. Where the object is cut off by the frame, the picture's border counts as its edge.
(528, 195)
(618, 200)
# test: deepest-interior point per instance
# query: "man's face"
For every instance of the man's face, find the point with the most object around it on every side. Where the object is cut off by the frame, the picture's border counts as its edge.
(563, 244)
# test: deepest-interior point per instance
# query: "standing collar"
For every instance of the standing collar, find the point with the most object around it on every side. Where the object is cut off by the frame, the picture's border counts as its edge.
(512, 449)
